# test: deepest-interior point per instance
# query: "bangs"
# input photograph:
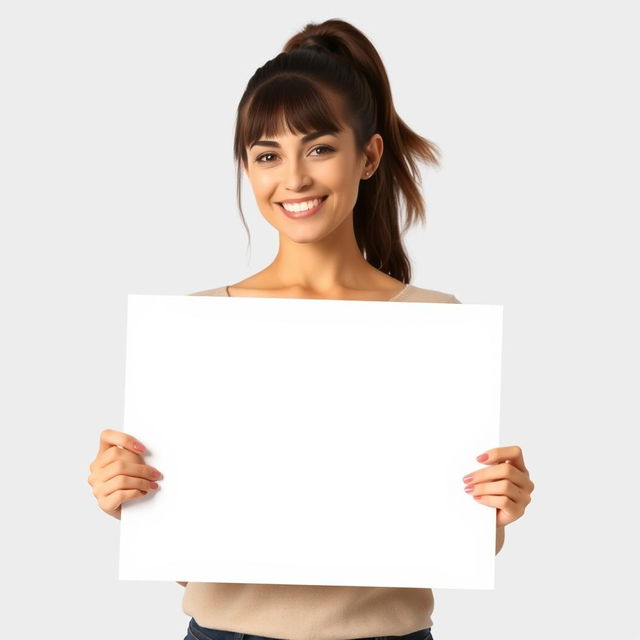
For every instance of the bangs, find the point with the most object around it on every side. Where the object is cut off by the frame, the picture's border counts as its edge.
(289, 103)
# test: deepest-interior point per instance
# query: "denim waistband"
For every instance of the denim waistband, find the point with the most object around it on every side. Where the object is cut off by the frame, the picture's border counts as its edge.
(196, 632)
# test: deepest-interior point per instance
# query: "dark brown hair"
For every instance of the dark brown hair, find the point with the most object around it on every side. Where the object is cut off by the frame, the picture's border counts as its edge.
(322, 70)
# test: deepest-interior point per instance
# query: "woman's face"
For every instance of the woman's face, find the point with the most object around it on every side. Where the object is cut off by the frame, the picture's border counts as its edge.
(311, 166)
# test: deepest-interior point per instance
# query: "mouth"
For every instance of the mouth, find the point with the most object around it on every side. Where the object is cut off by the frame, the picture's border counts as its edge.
(304, 213)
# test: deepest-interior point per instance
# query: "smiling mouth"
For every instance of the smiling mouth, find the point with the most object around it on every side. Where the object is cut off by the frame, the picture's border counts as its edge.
(304, 213)
(322, 199)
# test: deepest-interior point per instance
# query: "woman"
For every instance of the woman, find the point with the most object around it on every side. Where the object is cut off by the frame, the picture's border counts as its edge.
(310, 132)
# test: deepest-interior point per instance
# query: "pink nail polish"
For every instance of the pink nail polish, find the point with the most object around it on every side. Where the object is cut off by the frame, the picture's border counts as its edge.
(483, 457)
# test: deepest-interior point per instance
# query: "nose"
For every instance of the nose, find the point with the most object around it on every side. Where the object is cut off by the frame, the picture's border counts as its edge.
(296, 177)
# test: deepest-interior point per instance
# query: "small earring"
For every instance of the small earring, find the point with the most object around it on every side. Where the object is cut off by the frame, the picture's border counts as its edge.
(367, 173)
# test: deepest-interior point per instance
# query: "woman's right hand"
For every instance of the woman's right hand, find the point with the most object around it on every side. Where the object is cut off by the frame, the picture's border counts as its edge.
(118, 473)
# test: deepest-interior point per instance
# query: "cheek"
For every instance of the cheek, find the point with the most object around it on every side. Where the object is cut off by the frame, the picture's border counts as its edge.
(263, 186)
(340, 180)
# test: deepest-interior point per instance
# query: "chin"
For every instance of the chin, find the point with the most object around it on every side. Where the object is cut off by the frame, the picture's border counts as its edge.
(304, 237)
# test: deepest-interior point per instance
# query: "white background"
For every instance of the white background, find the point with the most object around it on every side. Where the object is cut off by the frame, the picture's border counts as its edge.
(117, 177)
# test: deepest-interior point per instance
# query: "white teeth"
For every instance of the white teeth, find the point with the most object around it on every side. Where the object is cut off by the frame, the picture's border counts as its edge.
(302, 206)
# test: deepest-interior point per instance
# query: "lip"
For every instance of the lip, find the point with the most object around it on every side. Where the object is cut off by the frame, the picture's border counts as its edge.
(296, 200)
(302, 214)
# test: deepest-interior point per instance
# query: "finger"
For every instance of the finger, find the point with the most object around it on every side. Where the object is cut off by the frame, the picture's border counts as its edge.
(112, 454)
(508, 506)
(501, 454)
(122, 482)
(501, 488)
(111, 437)
(117, 462)
(111, 442)
(111, 502)
(499, 472)
(122, 467)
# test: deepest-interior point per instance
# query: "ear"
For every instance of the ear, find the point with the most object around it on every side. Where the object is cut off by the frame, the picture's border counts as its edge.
(376, 147)
(373, 151)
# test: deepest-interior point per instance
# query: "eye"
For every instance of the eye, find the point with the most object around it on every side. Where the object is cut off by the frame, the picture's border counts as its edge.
(323, 147)
(259, 159)
(264, 155)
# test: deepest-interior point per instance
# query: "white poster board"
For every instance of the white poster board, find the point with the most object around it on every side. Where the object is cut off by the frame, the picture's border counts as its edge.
(312, 442)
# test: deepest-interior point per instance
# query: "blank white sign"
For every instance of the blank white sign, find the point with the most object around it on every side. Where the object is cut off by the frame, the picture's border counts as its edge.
(311, 442)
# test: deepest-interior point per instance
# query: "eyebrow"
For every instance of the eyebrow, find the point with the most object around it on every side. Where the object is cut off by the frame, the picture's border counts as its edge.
(306, 138)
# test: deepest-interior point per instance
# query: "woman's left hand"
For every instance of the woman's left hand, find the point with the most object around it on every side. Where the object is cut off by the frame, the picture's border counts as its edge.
(504, 485)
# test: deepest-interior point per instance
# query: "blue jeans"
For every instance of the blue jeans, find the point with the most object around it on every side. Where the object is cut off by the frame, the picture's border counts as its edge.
(196, 632)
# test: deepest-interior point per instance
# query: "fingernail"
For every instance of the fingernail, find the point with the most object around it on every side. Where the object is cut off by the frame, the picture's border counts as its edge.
(156, 474)
(483, 457)
(467, 478)
(138, 446)
(154, 485)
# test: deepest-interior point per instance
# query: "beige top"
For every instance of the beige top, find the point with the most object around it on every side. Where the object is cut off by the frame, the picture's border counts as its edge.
(308, 612)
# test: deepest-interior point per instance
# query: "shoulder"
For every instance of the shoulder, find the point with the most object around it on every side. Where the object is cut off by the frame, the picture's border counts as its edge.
(218, 291)
(419, 294)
